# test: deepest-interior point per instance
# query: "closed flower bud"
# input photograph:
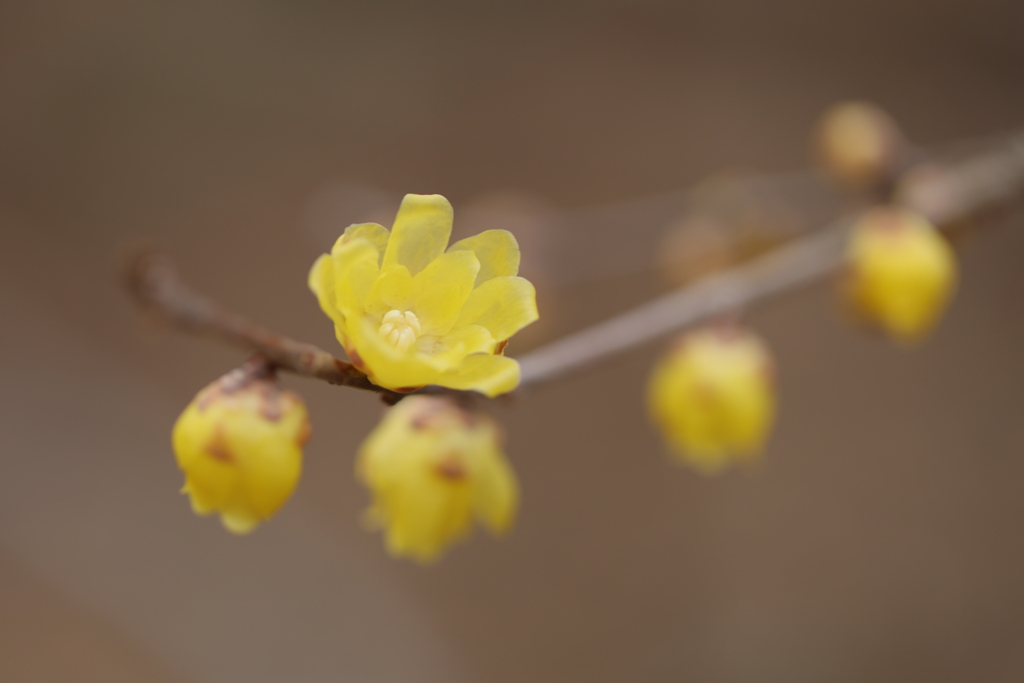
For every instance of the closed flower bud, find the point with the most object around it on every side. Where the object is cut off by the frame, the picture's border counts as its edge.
(433, 467)
(859, 144)
(713, 398)
(239, 443)
(900, 272)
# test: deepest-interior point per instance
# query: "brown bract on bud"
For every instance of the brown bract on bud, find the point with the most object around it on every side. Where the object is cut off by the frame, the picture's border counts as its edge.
(860, 145)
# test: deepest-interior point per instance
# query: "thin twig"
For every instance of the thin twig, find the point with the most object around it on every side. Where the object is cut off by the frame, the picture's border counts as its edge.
(155, 283)
(946, 196)
(779, 270)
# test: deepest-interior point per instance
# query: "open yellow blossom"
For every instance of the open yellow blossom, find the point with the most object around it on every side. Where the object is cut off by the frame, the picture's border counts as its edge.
(410, 312)
(900, 272)
(713, 398)
(433, 467)
(239, 443)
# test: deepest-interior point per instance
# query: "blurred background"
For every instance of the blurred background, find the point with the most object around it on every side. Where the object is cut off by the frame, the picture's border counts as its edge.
(879, 541)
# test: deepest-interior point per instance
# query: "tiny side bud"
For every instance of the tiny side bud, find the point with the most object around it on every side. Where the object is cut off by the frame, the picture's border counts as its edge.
(859, 144)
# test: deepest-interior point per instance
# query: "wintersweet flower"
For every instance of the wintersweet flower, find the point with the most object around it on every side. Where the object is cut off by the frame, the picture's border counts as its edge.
(900, 272)
(410, 312)
(239, 443)
(713, 398)
(433, 467)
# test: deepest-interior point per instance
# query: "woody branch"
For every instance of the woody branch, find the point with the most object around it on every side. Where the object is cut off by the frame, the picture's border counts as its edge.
(156, 286)
(946, 195)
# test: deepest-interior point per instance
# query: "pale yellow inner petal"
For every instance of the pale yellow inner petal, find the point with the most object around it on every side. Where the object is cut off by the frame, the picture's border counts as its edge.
(504, 305)
(321, 283)
(420, 233)
(497, 251)
(442, 288)
(355, 272)
(375, 234)
(393, 290)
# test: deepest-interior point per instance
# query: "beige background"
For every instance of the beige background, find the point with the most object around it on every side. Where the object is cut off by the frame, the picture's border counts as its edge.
(880, 541)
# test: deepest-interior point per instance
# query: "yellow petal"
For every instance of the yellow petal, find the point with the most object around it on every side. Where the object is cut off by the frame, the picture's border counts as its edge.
(200, 504)
(211, 483)
(420, 233)
(497, 251)
(198, 446)
(355, 272)
(449, 350)
(393, 290)
(497, 493)
(375, 234)
(321, 283)
(239, 523)
(427, 514)
(188, 437)
(387, 366)
(442, 288)
(272, 467)
(490, 375)
(504, 305)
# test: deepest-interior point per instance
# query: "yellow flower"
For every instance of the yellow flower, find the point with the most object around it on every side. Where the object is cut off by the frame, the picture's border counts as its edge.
(411, 313)
(239, 443)
(713, 398)
(432, 468)
(900, 272)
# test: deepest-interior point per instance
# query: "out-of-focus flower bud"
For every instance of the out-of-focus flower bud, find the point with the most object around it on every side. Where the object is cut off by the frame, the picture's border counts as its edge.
(859, 144)
(432, 467)
(900, 272)
(239, 443)
(730, 218)
(712, 395)
(696, 246)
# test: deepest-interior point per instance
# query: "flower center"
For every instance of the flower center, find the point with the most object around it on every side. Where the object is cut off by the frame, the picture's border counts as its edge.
(400, 328)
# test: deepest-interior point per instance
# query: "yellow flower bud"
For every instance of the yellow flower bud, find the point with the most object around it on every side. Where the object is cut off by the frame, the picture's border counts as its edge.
(239, 443)
(432, 466)
(859, 144)
(713, 398)
(900, 272)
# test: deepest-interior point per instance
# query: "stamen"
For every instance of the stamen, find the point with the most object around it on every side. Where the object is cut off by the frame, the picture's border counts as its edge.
(400, 328)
